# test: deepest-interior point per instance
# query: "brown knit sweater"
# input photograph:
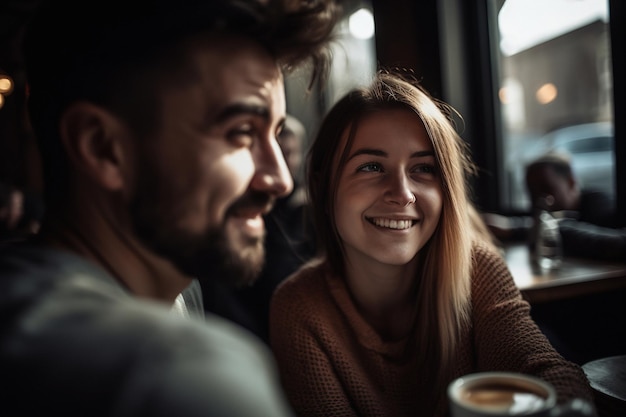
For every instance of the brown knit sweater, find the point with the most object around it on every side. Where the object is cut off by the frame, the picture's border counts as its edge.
(333, 363)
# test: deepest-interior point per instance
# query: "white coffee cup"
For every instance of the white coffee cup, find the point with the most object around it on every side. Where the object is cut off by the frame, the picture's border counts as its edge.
(490, 394)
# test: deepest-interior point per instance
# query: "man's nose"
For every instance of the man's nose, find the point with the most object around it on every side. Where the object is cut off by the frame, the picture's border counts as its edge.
(271, 172)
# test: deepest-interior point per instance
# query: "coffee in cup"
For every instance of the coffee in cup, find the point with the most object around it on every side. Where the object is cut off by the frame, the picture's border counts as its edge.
(489, 394)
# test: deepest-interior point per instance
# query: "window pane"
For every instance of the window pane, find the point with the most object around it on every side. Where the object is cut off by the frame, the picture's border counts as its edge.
(554, 90)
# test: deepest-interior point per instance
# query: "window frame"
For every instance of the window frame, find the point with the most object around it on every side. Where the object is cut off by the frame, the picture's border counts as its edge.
(469, 70)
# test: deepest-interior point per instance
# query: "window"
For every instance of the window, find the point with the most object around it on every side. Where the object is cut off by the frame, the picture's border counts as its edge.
(353, 64)
(553, 85)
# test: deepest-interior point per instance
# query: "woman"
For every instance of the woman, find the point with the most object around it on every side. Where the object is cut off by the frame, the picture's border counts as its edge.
(406, 295)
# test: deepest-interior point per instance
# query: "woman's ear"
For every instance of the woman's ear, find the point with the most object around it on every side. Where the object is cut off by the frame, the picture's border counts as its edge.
(94, 141)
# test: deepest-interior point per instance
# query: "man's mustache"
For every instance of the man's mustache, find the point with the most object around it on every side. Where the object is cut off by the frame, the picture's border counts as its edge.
(252, 200)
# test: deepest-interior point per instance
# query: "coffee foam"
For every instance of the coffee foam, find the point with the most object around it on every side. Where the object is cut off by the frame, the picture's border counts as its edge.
(503, 397)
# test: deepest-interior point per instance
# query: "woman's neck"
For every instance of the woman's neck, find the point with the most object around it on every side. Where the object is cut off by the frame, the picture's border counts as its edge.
(385, 296)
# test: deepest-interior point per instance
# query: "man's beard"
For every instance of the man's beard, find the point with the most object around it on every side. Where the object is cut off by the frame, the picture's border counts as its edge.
(206, 255)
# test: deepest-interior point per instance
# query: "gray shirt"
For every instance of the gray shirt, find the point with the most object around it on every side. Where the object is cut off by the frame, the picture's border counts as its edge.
(74, 342)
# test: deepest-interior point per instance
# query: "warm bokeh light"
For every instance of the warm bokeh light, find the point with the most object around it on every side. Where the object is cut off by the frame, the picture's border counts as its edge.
(6, 84)
(361, 24)
(546, 93)
(502, 94)
(1, 101)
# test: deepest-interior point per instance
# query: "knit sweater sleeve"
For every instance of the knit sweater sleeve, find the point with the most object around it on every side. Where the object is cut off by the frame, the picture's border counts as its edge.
(299, 338)
(506, 337)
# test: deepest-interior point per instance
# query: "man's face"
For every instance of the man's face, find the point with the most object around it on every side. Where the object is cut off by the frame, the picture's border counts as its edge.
(215, 167)
(548, 187)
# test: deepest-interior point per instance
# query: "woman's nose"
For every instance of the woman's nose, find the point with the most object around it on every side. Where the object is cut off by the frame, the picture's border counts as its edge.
(399, 191)
(271, 175)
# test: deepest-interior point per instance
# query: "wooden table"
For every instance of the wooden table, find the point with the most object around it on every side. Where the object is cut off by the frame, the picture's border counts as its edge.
(576, 276)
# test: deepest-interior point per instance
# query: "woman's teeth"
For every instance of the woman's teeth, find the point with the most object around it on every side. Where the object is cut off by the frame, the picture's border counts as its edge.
(392, 224)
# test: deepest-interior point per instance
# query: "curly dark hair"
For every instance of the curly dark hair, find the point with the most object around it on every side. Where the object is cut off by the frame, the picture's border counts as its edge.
(113, 53)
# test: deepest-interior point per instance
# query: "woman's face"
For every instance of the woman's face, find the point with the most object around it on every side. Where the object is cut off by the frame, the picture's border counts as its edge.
(389, 196)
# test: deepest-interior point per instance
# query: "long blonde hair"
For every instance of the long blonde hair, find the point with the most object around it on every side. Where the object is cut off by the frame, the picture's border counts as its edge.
(443, 293)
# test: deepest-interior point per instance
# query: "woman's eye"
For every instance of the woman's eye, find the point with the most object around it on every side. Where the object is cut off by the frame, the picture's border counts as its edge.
(370, 167)
(425, 168)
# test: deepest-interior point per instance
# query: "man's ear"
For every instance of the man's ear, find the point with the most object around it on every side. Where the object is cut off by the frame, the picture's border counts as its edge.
(94, 141)
(571, 182)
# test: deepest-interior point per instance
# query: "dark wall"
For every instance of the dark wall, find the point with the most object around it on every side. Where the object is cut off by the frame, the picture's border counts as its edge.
(19, 163)
(407, 36)
(587, 327)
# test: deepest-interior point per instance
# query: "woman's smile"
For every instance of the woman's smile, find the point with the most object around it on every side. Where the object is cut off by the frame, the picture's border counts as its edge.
(388, 223)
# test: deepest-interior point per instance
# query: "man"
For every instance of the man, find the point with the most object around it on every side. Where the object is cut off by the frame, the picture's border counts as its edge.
(289, 242)
(588, 224)
(11, 209)
(157, 124)
(20, 213)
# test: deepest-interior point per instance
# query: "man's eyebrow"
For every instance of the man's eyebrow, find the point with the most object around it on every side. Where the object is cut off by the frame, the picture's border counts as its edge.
(378, 152)
(239, 109)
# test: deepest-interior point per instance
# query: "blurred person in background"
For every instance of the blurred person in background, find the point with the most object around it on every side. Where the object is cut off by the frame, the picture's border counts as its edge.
(157, 125)
(588, 221)
(408, 293)
(21, 212)
(11, 209)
